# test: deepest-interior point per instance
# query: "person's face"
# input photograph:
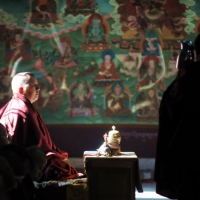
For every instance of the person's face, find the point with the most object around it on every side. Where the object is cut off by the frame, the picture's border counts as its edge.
(31, 90)
(64, 45)
(172, 64)
(151, 63)
(17, 37)
(36, 172)
(117, 90)
(64, 48)
(107, 58)
(151, 93)
(81, 86)
(151, 70)
(95, 22)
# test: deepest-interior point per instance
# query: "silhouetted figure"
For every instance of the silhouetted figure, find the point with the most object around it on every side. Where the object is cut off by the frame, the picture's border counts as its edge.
(176, 162)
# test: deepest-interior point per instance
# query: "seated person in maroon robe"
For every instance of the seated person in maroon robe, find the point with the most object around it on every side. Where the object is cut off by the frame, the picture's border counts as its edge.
(26, 127)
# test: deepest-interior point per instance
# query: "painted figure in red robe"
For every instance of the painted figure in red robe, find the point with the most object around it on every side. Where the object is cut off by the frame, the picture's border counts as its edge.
(26, 127)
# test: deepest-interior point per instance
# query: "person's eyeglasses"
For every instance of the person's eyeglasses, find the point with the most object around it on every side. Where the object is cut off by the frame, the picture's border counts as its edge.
(35, 85)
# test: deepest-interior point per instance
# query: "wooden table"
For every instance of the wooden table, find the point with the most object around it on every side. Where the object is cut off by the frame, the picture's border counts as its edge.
(112, 178)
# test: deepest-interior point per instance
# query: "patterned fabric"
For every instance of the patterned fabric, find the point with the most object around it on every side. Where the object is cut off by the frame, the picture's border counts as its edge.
(77, 191)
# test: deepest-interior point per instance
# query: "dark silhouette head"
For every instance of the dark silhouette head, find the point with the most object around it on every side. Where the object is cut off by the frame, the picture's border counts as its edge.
(186, 54)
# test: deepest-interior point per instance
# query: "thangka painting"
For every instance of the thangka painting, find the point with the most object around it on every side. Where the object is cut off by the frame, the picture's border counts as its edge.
(97, 62)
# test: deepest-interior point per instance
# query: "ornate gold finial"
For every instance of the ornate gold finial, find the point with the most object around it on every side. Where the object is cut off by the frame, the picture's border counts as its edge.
(113, 127)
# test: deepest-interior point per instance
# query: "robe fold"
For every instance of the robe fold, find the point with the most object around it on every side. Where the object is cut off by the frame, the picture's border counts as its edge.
(26, 128)
(177, 168)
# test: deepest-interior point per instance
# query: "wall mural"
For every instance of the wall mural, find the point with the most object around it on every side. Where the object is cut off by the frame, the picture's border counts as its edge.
(97, 61)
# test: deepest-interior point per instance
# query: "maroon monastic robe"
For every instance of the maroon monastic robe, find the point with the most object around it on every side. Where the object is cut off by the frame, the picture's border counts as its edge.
(26, 127)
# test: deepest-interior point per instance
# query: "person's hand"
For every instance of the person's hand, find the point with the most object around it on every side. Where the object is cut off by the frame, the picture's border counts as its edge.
(80, 174)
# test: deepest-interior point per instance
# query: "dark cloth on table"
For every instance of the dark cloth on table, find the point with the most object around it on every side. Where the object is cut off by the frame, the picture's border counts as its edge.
(177, 168)
(26, 128)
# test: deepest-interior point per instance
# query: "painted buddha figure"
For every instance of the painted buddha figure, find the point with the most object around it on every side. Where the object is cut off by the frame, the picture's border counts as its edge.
(106, 74)
(95, 31)
(117, 101)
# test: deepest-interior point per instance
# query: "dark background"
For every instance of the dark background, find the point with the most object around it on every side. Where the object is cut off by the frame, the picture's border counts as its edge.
(75, 139)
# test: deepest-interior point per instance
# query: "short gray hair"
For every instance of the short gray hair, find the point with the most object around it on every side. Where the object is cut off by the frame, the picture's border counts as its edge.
(20, 79)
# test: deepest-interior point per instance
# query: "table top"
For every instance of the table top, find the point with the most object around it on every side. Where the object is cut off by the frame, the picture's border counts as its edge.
(121, 155)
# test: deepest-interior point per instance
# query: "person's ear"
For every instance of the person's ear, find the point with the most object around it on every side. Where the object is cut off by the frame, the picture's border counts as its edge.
(21, 90)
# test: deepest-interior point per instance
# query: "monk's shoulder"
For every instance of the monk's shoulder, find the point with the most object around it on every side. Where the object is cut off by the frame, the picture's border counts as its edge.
(19, 106)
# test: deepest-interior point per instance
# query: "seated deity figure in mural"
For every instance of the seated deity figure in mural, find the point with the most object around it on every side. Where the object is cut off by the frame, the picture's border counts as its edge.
(130, 66)
(67, 54)
(95, 31)
(172, 70)
(43, 11)
(147, 107)
(80, 97)
(67, 60)
(117, 100)
(16, 44)
(16, 47)
(151, 42)
(150, 72)
(107, 73)
(129, 62)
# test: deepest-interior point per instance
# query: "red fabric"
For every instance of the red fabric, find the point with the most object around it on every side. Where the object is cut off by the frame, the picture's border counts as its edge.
(26, 127)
